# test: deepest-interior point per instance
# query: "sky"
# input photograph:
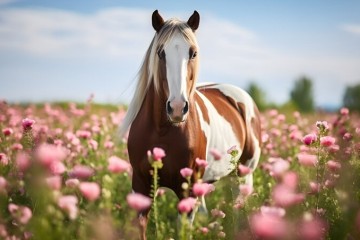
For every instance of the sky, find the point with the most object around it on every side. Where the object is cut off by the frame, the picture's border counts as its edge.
(67, 50)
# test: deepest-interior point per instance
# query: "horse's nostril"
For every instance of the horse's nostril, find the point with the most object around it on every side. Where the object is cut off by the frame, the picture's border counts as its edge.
(186, 108)
(169, 110)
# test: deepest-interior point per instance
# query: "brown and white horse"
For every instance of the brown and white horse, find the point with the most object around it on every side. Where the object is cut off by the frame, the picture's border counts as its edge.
(169, 110)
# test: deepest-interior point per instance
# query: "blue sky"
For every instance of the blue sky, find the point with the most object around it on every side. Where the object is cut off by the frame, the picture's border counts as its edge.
(66, 50)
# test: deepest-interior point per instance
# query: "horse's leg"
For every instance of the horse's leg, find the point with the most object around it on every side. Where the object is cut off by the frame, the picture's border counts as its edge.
(202, 207)
(143, 186)
(143, 221)
(253, 162)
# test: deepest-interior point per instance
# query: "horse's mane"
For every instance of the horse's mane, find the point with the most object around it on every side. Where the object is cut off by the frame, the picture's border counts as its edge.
(149, 71)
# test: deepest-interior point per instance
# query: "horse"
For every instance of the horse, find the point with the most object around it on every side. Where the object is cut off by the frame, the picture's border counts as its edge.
(171, 111)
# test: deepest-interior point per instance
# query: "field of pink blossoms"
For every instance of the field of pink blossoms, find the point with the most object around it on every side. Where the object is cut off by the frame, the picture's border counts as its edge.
(65, 175)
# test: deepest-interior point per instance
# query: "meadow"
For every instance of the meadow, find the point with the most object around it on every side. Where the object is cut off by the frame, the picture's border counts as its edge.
(64, 174)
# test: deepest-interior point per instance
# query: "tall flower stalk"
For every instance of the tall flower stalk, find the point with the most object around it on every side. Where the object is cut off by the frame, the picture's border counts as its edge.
(155, 159)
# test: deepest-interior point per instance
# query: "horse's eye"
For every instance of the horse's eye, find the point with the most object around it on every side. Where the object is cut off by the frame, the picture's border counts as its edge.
(161, 53)
(194, 54)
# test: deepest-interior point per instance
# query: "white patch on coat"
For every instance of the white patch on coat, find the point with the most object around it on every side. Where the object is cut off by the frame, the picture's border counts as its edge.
(220, 136)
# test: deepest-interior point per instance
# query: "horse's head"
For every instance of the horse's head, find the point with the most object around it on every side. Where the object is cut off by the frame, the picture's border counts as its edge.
(176, 58)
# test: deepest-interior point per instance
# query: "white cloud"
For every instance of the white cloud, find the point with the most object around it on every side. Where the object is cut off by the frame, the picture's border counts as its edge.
(121, 34)
(351, 28)
(50, 32)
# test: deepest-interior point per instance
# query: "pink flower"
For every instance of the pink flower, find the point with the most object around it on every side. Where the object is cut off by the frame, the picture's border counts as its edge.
(264, 137)
(186, 205)
(204, 230)
(295, 135)
(314, 187)
(281, 117)
(57, 168)
(231, 150)
(333, 166)
(108, 144)
(7, 131)
(296, 114)
(215, 153)
(93, 144)
(344, 111)
(272, 211)
(72, 182)
(54, 182)
(90, 190)
(307, 160)
(284, 196)
(158, 153)
(27, 123)
(330, 183)
(118, 165)
(279, 167)
(21, 213)
(83, 134)
(68, 203)
(3, 159)
(217, 213)
(290, 179)
(327, 141)
(186, 172)
(47, 154)
(334, 148)
(3, 184)
(244, 170)
(201, 163)
(16, 146)
(138, 201)
(95, 129)
(81, 171)
(309, 139)
(304, 148)
(357, 130)
(160, 192)
(201, 189)
(268, 226)
(245, 189)
(22, 161)
(347, 136)
(273, 112)
(312, 229)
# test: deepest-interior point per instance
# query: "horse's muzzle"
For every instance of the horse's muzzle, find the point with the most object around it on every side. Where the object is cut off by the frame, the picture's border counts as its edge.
(177, 111)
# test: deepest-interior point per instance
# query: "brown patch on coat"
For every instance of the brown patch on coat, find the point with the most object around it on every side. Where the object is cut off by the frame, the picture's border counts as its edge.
(182, 144)
(255, 129)
(227, 108)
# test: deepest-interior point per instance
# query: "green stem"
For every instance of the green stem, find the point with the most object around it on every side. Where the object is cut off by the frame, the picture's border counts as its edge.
(183, 226)
(155, 208)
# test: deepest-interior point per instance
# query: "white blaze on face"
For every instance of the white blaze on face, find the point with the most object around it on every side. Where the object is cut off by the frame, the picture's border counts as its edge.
(177, 57)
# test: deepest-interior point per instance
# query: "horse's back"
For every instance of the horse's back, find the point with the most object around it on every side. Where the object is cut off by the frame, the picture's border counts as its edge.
(233, 120)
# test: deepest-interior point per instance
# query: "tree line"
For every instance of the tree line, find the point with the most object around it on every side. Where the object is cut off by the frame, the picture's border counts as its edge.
(302, 96)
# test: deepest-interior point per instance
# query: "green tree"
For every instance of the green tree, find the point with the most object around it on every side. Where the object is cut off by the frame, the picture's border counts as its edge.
(302, 95)
(258, 95)
(351, 97)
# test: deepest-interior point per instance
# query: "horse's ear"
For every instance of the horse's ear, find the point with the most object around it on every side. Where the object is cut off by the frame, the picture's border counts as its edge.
(157, 21)
(194, 21)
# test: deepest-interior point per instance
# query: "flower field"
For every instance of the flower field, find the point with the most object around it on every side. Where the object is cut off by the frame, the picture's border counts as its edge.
(65, 175)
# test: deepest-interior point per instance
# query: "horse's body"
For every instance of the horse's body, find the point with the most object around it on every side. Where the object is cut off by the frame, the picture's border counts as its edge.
(170, 112)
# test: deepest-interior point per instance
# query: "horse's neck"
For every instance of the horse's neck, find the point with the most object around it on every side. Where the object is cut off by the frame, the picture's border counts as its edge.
(154, 108)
